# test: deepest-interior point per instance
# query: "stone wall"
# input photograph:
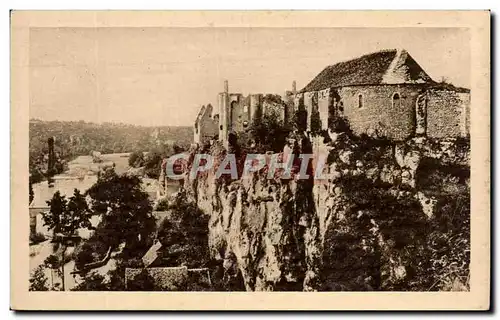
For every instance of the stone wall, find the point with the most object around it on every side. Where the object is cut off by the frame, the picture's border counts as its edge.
(448, 114)
(239, 107)
(236, 111)
(378, 112)
(206, 127)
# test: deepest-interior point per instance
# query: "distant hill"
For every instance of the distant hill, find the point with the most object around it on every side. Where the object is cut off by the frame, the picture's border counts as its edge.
(76, 138)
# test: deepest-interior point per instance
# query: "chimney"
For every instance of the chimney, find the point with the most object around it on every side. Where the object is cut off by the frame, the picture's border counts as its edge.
(226, 86)
(294, 87)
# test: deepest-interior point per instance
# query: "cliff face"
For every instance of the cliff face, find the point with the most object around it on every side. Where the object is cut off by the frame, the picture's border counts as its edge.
(308, 235)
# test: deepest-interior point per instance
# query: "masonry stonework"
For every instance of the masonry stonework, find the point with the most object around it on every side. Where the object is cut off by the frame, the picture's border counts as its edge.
(378, 93)
(385, 93)
(205, 127)
(379, 111)
(448, 114)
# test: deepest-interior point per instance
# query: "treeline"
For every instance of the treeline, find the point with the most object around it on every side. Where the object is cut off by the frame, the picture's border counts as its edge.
(76, 138)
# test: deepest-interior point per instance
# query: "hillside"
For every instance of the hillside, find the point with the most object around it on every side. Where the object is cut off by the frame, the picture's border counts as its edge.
(74, 139)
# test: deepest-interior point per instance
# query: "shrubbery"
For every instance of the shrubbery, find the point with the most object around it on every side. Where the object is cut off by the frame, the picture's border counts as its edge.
(136, 159)
(269, 133)
(37, 238)
(383, 240)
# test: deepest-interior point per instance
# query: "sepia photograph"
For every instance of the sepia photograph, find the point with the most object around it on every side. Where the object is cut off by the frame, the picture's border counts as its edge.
(253, 158)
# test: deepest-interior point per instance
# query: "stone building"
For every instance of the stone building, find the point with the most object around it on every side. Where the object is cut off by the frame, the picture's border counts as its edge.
(386, 93)
(236, 112)
(205, 125)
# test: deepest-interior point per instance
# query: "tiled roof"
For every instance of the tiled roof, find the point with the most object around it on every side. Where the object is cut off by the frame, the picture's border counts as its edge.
(165, 278)
(382, 67)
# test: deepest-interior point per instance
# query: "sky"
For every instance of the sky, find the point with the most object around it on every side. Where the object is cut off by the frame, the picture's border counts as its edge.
(162, 76)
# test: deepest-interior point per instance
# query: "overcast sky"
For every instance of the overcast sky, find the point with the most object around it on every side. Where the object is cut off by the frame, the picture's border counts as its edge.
(161, 76)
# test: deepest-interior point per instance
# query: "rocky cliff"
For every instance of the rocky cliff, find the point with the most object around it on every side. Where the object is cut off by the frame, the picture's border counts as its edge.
(367, 226)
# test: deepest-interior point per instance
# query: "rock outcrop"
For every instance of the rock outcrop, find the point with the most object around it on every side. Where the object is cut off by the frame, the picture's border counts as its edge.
(273, 233)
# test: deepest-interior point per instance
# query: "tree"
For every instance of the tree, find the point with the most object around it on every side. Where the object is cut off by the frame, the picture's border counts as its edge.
(136, 159)
(315, 122)
(38, 280)
(53, 218)
(92, 282)
(184, 234)
(65, 217)
(269, 132)
(52, 262)
(31, 193)
(300, 117)
(125, 209)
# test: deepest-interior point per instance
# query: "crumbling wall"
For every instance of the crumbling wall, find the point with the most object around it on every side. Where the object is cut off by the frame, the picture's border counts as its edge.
(205, 127)
(448, 114)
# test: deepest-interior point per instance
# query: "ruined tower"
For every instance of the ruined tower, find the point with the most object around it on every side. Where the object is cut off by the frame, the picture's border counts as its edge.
(224, 113)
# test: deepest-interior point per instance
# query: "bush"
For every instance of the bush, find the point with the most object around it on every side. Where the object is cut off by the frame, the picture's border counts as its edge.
(379, 229)
(162, 205)
(315, 122)
(92, 282)
(339, 124)
(269, 133)
(184, 235)
(37, 238)
(143, 282)
(136, 159)
(38, 280)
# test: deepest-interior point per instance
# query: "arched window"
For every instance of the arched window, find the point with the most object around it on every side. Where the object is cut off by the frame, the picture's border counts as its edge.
(245, 108)
(360, 101)
(396, 100)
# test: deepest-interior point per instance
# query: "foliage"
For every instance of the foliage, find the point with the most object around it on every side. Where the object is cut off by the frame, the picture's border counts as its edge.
(81, 138)
(269, 132)
(383, 240)
(143, 282)
(136, 159)
(38, 280)
(300, 117)
(315, 122)
(37, 238)
(432, 173)
(126, 217)
(162, 205)
(449, 243)
(117, 276)
(155, 156)
(125, 210)
(340, 124)
(92, 282)
(184, 235)
(91, 250)
(31, 193)
(52, 262)
(378, 227)
(67, 216)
